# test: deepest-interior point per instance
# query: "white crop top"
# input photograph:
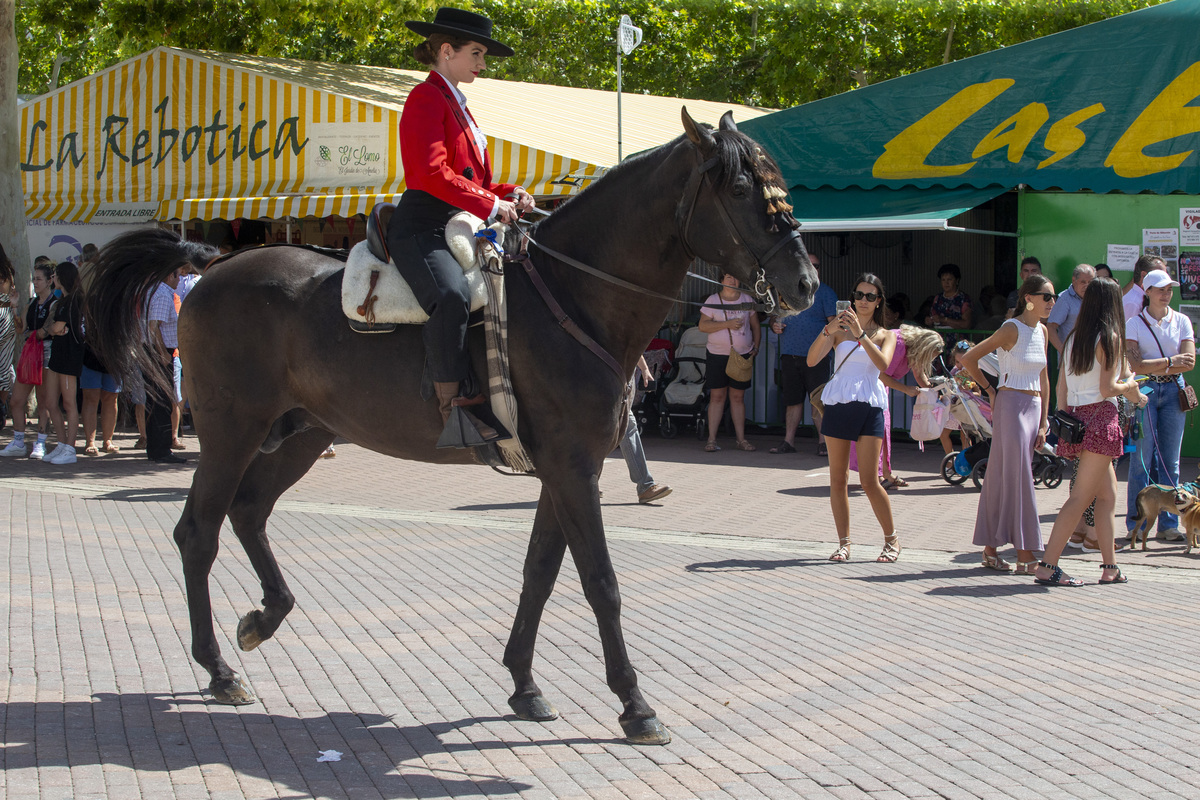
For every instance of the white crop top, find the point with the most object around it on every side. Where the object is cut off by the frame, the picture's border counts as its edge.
(856, 380)
(1021, 367)
(1082, 390)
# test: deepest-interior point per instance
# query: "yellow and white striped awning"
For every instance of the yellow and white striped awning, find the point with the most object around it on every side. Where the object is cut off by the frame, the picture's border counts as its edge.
(179, 134)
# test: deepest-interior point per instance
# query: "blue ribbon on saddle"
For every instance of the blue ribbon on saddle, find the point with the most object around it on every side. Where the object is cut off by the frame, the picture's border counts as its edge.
(490, 235)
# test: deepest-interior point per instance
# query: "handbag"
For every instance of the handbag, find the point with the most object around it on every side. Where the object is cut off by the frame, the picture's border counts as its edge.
(29, 365)
(738, 367)
(814, 396)
(1187, 395)
(1067, 427)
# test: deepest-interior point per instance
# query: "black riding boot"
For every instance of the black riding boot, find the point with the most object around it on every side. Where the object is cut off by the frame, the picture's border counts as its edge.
(463, 429)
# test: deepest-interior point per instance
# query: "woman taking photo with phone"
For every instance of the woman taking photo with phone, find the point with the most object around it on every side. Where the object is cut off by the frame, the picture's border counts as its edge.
(1007, 511)
(1094, 371)
(855, 399)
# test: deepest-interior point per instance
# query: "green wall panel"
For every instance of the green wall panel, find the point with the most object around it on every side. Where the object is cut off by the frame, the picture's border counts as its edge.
(1064, 229)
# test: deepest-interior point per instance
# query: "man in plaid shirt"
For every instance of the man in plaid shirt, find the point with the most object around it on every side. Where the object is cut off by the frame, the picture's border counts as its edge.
(162, 330)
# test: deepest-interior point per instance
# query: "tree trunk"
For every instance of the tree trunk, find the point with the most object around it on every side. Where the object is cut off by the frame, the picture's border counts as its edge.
(12, 196)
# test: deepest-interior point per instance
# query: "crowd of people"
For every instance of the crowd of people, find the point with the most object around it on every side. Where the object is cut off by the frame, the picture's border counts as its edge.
(844, 357)
(73, 389)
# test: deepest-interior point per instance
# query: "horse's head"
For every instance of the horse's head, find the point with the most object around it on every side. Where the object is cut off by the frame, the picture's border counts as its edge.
(735, 215)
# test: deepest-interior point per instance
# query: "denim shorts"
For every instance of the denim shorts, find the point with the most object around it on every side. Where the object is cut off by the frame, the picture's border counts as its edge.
(178, 368)
(91, 379)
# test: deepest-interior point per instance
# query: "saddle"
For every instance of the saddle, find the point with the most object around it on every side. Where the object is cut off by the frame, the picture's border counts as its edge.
(375, 298)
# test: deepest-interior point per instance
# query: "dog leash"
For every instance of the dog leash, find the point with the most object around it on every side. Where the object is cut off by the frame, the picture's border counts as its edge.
(1142, 414)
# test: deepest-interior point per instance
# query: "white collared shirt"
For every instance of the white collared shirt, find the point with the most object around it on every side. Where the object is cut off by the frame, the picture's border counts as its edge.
(480, 139)
(1172, 330)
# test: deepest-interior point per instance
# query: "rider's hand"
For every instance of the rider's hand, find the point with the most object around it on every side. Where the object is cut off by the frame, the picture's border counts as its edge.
(525, 200)
(506, 212)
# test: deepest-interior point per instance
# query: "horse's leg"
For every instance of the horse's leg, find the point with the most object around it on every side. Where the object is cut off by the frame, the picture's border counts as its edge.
(265, 481)
(577, 506)
(214, 486)
(542, 560)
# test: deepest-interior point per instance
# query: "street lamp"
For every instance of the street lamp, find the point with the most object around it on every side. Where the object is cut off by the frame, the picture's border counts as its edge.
(629, 36)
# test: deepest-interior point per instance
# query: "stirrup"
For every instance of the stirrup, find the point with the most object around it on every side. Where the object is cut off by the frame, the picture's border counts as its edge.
(464, 430)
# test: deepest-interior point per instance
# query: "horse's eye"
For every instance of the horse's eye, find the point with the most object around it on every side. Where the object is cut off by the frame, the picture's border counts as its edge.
(740, 188)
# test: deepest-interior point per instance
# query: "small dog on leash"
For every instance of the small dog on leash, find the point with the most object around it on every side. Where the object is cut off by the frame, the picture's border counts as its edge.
(1188, 506)
(1155, 499)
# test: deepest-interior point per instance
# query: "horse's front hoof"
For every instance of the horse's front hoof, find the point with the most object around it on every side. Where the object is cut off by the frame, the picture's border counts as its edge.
(232, 691)
(645, 731)
(247, 632)
(533, 708)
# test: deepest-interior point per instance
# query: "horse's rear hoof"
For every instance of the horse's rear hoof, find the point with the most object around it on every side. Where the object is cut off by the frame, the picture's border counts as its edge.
(247, 631)
(645, 731)
(232, 691)
(533, 708)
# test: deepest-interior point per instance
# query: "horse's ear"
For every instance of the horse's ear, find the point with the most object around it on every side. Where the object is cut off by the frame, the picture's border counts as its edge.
(699, 135)
(727, 123)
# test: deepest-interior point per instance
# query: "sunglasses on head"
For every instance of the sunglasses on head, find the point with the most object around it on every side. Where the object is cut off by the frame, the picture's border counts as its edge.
(1049, 297)
(870, 297)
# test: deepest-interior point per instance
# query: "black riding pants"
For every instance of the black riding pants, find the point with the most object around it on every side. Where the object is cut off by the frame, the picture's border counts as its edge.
(440, 286)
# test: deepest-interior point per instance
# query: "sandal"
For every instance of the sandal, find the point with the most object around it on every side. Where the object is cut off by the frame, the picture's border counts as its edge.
(109, 447)
(822, 450)
(895, 481)
(891, 550)
(711, 447)
(997, 563)
(782, 447)
(744, 445)
(1026, 567)
(1118, 579)
(1057, 577)
(842, 554)
(91, 450)
(140, 444)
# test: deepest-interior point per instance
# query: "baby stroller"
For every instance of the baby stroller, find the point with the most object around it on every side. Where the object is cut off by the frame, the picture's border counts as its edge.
(685, 400)
(974, 417)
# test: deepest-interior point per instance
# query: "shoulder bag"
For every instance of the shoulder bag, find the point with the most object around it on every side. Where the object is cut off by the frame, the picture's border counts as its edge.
(1067, 427)
(814, 396)
(738, 367)
(1187, 395)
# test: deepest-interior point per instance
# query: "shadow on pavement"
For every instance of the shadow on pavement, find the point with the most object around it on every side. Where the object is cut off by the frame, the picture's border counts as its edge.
(164, 495)
(751, 565)
(1027, 586)
(496, 506)
(124, 729)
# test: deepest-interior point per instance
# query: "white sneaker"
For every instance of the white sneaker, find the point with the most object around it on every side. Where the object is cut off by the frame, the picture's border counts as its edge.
(38, 451)
(15, 449)
(49, 454)
(63, 454)
(1171, 535)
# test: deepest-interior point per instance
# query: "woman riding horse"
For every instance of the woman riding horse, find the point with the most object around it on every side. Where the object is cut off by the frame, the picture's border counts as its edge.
(448, 170)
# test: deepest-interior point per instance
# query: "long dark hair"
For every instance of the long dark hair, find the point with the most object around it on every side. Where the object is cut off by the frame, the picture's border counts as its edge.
(873, 279)
(7, 273)
(1101, 321)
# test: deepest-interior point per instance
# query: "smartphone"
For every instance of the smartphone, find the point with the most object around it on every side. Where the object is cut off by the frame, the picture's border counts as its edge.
(843, 305)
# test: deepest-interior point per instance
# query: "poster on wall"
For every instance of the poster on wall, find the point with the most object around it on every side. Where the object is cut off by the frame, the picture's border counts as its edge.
(64, 241)
(1162, 242)
(347, 154)
(1189, 227)
(1122, 257)
(1189, 274)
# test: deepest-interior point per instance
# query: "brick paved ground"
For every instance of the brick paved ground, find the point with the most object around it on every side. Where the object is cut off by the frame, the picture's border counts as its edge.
(779, 674)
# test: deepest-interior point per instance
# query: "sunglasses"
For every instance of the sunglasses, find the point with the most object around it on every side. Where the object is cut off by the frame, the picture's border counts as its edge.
(870, 297)
(1049, 297)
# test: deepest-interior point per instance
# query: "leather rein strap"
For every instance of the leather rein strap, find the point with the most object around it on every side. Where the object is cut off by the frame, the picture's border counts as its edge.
(565, 321)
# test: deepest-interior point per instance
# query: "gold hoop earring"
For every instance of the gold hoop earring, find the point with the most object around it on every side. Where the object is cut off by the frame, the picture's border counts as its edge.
(1028, 306)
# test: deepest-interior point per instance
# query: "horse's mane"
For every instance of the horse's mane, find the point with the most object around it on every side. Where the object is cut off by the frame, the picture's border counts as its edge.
(735, 153)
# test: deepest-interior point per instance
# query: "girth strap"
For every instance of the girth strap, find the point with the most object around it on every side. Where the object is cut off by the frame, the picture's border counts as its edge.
(569, 325)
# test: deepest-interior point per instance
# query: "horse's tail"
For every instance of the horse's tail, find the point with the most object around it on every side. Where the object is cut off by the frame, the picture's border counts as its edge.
(125, 272)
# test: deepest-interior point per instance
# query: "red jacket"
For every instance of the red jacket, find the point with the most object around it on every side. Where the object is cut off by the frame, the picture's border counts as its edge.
(436, 146)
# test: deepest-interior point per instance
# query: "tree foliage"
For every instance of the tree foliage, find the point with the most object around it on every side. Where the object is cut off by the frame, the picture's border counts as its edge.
(774, 53)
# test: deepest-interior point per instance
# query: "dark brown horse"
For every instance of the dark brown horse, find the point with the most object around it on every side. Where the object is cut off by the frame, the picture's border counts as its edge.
(268, 352)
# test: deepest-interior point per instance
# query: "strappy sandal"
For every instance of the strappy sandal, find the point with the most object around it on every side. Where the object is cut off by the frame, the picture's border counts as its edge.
(1118, 579)
(1057, 577)
(842, 554)
(997, 563)
(109, 447)
(711, 447)
(894, 482)
(91, 450)
(782, 447)
(1026, 567)
(744, 445)
(891, 550)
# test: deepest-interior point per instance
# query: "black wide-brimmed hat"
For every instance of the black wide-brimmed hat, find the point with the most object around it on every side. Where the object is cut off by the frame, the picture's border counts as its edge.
(468, 25)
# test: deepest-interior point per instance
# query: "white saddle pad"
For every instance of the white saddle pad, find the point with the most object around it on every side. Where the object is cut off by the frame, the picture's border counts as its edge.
(396, 302)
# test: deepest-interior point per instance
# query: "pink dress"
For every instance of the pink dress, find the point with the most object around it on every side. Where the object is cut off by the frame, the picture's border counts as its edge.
(897, 369)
